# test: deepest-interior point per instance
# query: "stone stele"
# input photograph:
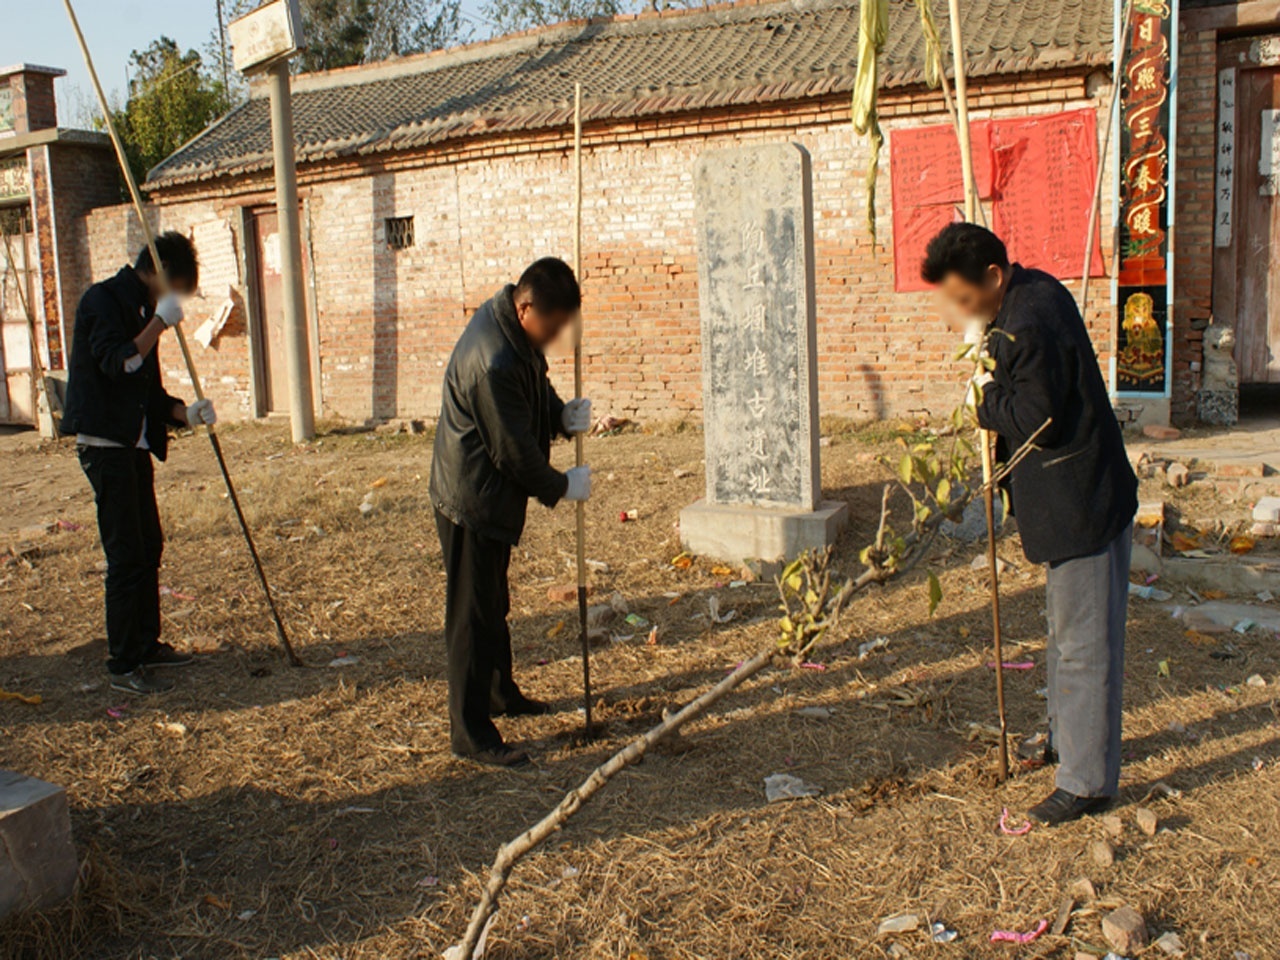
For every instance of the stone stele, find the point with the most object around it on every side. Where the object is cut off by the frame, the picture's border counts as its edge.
(37, 859)
(759, 359)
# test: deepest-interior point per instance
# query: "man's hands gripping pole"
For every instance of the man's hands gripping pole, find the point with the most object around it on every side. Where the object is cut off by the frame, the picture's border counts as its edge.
(576, 419)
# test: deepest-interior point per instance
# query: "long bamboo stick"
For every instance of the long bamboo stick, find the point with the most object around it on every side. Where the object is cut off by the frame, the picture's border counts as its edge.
(1095, 206)
(984, 436)
(158, 266)
(580, 513)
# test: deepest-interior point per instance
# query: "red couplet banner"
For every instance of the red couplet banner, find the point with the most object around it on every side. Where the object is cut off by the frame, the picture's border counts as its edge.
(1037, 172)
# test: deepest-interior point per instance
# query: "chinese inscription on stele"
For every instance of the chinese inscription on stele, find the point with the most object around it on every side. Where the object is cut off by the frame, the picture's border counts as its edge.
(755, 280)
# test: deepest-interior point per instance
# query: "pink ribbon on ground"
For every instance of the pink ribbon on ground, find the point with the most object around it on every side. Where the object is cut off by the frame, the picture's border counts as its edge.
(1013, 665)
(1013, 831)
(1012, 936)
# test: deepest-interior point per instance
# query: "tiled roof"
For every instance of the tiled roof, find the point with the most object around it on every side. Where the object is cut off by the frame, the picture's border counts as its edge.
(630, 67)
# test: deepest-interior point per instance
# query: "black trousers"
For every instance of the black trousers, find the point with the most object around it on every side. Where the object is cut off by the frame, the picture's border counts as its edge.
(477, 641)
(129, 525)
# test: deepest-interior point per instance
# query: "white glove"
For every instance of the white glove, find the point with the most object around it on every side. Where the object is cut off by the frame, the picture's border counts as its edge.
(579, 483)
(577, 416)
(169, 309)
(201, 412)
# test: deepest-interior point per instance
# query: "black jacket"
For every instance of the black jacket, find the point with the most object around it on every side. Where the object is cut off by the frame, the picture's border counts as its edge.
(497, 417)
(1076, 492)
(102, 399)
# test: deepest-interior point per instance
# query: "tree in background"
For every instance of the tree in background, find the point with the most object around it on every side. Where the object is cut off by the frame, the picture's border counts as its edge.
(402, 27)
(337, 31)
(511, 15)
(171, 99)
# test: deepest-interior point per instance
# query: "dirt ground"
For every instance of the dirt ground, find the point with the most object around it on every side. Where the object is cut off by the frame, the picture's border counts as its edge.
(266, 811)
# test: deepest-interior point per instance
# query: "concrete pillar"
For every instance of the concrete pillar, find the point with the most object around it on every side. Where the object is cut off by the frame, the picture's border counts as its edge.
(297, 349)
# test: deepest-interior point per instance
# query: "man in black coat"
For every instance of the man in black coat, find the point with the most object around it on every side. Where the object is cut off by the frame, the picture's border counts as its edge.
(1075, 494)
(119, 413)
(492, 448)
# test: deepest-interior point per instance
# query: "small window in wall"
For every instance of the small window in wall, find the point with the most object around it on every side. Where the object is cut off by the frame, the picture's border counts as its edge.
(399, 232)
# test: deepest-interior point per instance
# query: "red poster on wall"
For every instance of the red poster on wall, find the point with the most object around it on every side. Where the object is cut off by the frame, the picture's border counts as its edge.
(924, 168)
(1036, 171)
(1044, 172)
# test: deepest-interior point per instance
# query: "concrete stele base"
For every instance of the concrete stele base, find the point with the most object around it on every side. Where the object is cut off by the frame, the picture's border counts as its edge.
(737, 533)
(37, 859)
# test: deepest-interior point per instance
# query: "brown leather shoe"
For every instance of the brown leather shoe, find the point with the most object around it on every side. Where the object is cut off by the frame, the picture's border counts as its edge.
(523, 707)
(1062, 806)
(499, 756)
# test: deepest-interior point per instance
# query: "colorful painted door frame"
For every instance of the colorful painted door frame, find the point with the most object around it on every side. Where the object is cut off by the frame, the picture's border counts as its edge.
(1146, 129)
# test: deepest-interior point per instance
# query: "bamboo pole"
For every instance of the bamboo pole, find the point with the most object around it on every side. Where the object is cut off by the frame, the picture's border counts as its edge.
(993, 568)
(984, 436)
(962, 113)
(158, 266)
(1095, 207)
(580, 512)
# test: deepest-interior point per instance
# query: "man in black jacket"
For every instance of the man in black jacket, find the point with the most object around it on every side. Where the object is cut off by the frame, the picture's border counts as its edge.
(492, 445)
(1074, 495)
(119, 413)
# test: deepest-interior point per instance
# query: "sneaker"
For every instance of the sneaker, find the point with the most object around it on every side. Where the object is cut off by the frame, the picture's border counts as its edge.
(1062, 806)
(163, 655)
(523, 707)
(139, 681)
(499, 756)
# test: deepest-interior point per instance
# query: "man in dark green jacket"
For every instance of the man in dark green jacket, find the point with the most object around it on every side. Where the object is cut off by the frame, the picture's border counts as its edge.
(492, 448)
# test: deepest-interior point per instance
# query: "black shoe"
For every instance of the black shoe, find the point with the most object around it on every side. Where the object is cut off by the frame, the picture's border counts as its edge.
(163, 655)
(523, 707)
(1061, 807)
(139, 681)
(1036, 751)
(499, 756)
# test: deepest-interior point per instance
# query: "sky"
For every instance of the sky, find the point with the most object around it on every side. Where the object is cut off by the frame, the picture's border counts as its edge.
(38, 31)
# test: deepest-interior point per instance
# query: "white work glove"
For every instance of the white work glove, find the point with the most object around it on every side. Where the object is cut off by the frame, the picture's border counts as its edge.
(201, 412)
(975, 331)
(579, 483)
(977, 383)
(576, 417)
(169, 309)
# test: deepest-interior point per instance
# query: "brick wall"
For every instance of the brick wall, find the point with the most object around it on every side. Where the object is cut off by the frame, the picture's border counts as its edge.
(111, 236)
(1194, 202)
(485, 207)
(48, 306)
(82, 177)
(34, 105)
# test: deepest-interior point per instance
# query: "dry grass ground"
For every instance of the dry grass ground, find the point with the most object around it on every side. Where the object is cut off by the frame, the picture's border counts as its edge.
(263, 811)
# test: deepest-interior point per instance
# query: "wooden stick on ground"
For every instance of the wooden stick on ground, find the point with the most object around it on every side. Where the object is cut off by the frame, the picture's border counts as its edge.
(158, 266)
(984, 436)
(511, 853)
(580, 512)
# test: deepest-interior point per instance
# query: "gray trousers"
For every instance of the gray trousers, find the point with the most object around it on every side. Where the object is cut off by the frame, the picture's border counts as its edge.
(1087, 599)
